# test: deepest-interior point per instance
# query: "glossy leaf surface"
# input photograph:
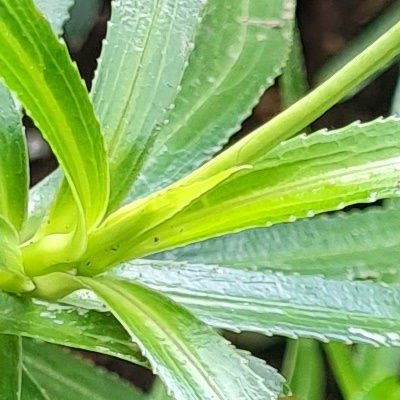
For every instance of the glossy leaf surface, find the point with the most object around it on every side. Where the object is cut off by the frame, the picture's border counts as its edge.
(152, 41)
(53, 373)
(36, 66)
(240, 49)
(270, 303)
(66, 325)
(193, 361)
(356, 244)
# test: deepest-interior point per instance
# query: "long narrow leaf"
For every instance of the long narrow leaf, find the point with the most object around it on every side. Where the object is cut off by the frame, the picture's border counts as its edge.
(66, 325)
(193, 361)
(10, 367)
(60, 375)
(152, 41)
(270, 303)
(240, 49)
(355, 244)
(36, 66)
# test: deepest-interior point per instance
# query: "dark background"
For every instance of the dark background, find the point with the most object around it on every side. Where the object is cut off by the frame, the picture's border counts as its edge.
(326, 26)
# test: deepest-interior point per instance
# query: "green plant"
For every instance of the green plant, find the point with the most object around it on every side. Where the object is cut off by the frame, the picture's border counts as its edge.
(157, 111)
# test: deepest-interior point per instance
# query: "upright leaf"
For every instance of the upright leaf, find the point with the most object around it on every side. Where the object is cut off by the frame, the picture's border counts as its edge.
(58, 374)
(13, 162)
(240, 48)
(36, 66)
(191, 359)
(152, 41)
(10, 367)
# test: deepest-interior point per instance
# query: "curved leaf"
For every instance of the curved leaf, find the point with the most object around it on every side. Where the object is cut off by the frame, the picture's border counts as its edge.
(193, 361)
(10, 367)
(57, 374)
(13, 162)
(270, 303)
(240, 49)
(36, 66)
(67, 326)
(152, 41)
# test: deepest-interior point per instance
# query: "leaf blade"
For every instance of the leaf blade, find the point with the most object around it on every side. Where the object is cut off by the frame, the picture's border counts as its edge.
(43, 78)
(60, 374)
(179, 348)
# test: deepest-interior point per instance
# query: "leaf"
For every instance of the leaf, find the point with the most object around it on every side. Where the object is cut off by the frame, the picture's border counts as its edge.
(48, 86)
(240, 48)
(304, 369)
(204, 115)
(60, 375)
(67, 326)
(275, 304)
(300, 178)
(191, 359)
(355, 244)
(152, 41)
(56, 12)
(13, 162)
(10, 366)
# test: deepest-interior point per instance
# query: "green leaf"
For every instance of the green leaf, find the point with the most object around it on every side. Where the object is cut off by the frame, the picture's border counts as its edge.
(56, 12)
(240, 49)
(193, 361)
(66, 325)
(300, 178)
(244, 69)
(36, 66)
(10, 367)
(152, 41)
(356, 244)
(13, 162)
(58, 374)
(304, 369)
(275, 304)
